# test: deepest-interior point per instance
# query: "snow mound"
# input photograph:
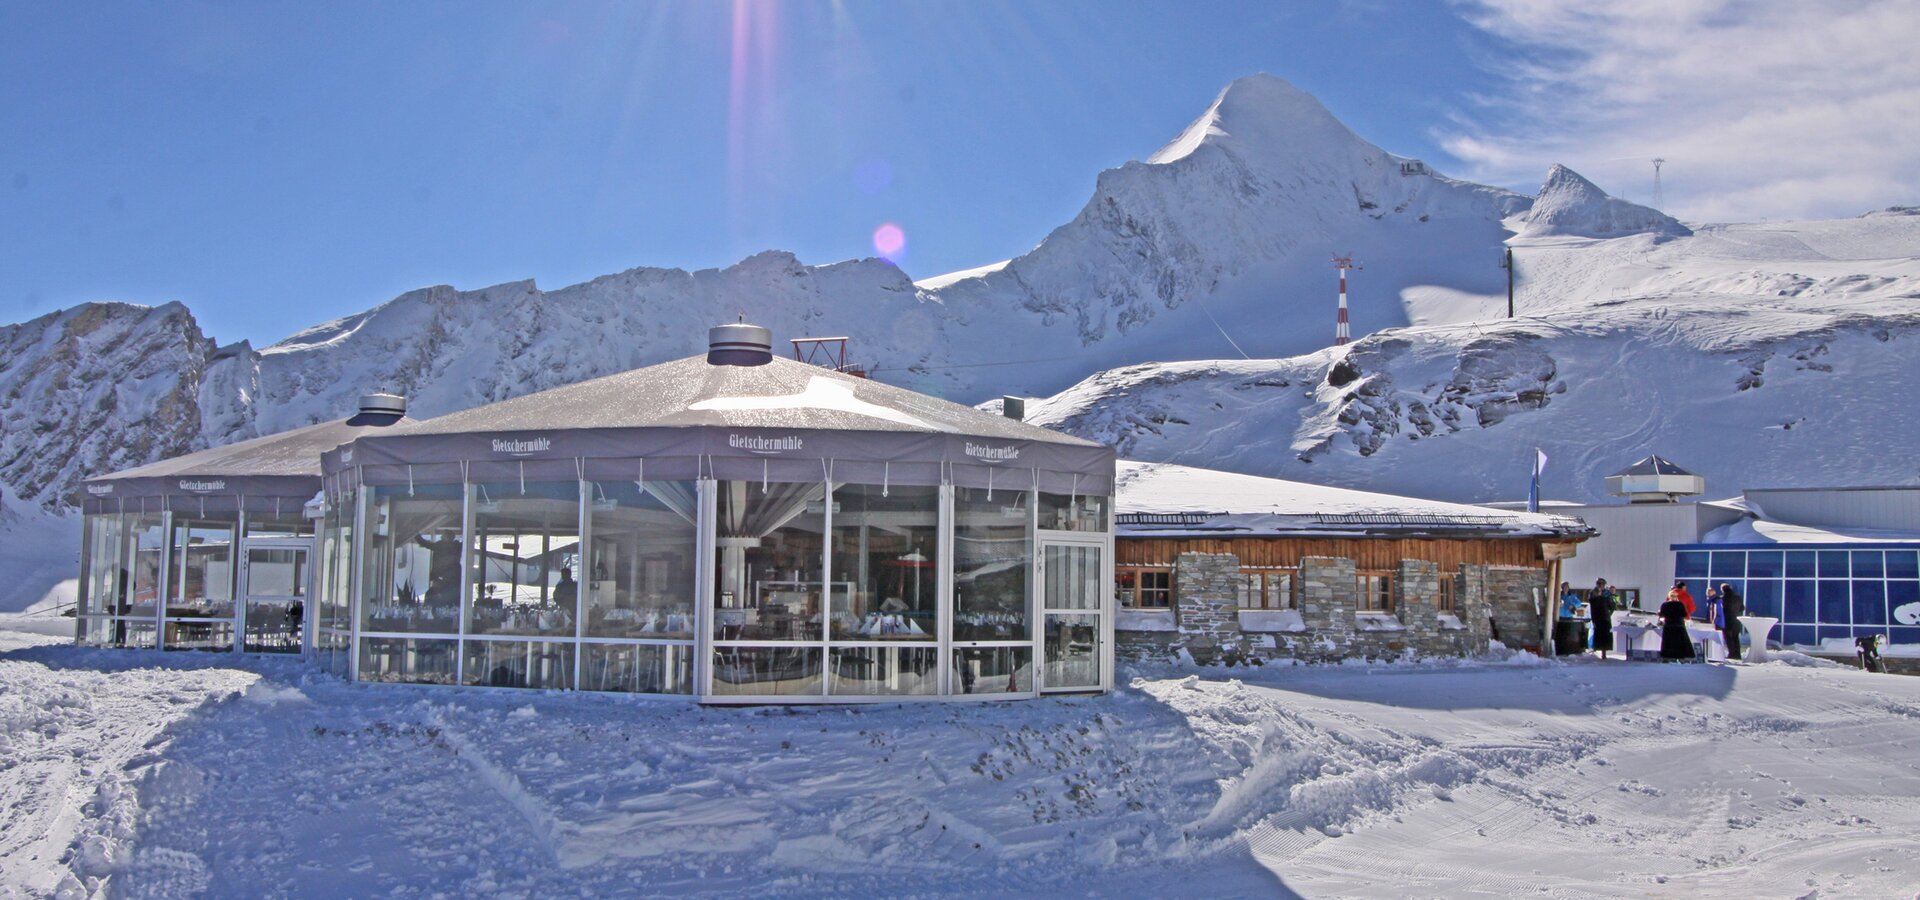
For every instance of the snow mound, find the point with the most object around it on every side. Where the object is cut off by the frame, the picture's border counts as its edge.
(1569, 205)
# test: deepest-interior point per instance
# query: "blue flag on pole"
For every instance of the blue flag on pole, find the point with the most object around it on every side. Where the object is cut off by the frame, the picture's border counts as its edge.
(1533, 491)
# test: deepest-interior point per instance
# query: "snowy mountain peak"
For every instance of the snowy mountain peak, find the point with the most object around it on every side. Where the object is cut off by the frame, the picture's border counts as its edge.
(1569, 205)
(1264, 113)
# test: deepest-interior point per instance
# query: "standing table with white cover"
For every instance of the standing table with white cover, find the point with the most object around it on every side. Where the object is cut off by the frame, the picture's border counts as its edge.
(1630, 637)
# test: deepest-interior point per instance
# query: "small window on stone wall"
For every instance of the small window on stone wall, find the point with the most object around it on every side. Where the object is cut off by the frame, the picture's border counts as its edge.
(1449, 600)
(1374, 591)
(1269, 588)
(1143, 587)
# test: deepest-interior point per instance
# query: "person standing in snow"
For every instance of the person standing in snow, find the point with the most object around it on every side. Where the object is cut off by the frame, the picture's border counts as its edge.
(1675, 643)
(1732, 607)
(1600, 608)
(1681, 594)
(1569, 603)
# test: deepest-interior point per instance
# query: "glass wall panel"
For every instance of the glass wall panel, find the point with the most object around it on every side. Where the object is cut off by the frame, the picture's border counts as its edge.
(1903, 602)
(885, 550)
(1073, 574)
(884, 671)
(336, 570)
(1799, 634)
(276, 601)
(200, 634)
(1066, 512)
(1869, 564)
(1800, 606)
(146, 544)
(1834, 564)
(768, 583)
(1765, 564)
(993, 670)
(290, 523)
(993, 557)
(1728, 564)
(1836, 607)
(640, 574)
(407, 660)
(411, 575)
(637, 668)
(1763, 598)
(203, 571)
(766, 671)
(527, 558)
(138, 633)
(108, 579)
(1800, 563)
(1073, 650)
(96, 632)
(543, 665)
(1903, 564)
(1869, 602)
(1690, 564)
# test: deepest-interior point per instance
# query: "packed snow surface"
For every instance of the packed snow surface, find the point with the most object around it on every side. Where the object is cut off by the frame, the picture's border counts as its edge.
(150, 774)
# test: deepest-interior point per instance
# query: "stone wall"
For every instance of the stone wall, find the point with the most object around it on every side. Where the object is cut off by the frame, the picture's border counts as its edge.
(1208, 626)
(1510, 593)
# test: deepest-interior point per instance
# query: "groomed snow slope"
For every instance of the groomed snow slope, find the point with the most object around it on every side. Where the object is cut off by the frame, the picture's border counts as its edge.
(1763, 355)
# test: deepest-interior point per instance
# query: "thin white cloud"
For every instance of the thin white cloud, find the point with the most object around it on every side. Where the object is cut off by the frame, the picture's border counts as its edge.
(1762, 108)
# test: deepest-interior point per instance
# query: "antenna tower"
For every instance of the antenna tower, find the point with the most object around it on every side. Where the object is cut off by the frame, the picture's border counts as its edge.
(1658, 201)
(1340, 336)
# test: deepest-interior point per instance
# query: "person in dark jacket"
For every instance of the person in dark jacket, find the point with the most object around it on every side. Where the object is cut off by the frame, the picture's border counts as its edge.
(1600, 607)
(1675, 644)
(1732, 607)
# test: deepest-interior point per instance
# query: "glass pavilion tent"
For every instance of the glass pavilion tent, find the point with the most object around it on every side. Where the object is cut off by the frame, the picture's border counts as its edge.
(732, 527)
(211, 550)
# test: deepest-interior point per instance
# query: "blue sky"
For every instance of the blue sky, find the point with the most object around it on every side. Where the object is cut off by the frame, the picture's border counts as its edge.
(275, 165)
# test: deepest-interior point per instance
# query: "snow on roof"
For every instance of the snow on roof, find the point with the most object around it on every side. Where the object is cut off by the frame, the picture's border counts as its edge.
(1652, 465)
(1762, 531)
(1163, 498)
(287, 454)
(692, 392)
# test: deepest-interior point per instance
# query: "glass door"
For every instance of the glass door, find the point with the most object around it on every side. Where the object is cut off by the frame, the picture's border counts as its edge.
(1075, 637)
(275, 579)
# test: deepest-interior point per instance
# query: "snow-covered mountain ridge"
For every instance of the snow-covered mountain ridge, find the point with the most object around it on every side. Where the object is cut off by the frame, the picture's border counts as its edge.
(1222, 236)
(1718, 349)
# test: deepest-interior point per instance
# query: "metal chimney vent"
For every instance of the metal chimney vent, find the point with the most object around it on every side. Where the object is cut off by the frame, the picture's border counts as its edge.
(383, 404)
(739, 344)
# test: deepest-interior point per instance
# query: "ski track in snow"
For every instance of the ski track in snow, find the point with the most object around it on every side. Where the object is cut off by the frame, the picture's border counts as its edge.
(136, 773)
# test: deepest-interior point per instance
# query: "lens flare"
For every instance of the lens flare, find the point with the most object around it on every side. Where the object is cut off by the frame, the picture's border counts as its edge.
(890, 242)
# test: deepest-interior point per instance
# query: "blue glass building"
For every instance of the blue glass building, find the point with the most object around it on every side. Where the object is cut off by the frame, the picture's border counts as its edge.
(1817, 591)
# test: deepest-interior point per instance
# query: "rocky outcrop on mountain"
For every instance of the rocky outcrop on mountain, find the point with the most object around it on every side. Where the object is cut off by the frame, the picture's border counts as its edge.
(95, 388)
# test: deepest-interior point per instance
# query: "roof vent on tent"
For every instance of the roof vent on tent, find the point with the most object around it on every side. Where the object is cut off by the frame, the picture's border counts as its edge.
(1655, 480)
(739, 344)
(383, 404)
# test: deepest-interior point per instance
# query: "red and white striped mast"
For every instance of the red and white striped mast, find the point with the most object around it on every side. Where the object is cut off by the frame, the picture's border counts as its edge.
(1340, 335)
